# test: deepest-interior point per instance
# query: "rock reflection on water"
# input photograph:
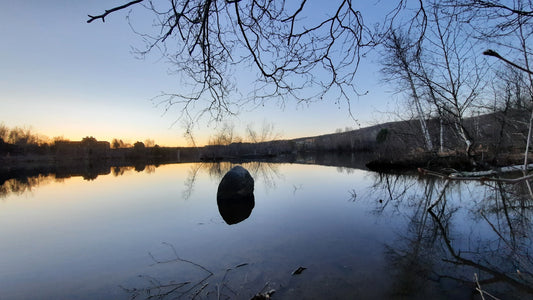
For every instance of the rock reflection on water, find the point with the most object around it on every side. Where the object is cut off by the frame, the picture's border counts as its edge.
(465, 238)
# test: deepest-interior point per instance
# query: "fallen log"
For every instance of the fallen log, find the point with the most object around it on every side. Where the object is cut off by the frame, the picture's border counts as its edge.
(491, 175)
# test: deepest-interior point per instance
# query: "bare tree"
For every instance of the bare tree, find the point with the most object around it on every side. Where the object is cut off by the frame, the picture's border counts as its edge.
(507, 26)
(401, 56)
(442, 72)
(451, 71)
(225, 135)
(3, 132)
(265, 134)
(149, 143)
(515, 88)
(21, 136)
(292, 55)
(115, 143)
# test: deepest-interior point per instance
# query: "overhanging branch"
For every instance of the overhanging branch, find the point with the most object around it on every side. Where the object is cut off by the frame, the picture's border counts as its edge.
(108, 11)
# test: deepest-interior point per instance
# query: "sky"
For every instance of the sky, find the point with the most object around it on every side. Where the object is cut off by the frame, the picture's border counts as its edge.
(63, 77)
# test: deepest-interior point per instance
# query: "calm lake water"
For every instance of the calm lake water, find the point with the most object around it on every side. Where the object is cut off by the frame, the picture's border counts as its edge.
(358, 234)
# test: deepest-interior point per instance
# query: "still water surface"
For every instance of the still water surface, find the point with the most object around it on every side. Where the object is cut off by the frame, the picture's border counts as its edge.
(358, 234)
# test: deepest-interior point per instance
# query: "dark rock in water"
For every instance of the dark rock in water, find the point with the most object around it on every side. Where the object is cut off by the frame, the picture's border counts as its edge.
(235, 195)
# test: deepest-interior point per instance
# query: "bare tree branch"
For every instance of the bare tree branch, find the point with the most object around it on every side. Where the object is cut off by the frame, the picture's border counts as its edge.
(493, 53)
(108, 11)
(293, 57)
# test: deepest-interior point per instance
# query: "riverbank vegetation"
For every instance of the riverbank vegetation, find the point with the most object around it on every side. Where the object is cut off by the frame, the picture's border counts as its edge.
(497, 138)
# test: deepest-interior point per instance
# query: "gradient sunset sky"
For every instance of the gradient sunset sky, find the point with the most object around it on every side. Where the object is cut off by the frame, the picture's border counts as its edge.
(64, 77)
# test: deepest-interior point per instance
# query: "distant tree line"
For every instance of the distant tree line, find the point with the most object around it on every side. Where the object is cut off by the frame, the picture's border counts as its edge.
(21, 136)
(499, 137)
(25, 144)
(17, 141)
(22, 140)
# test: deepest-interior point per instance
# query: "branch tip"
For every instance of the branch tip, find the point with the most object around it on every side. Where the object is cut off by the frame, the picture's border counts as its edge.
(491, 52)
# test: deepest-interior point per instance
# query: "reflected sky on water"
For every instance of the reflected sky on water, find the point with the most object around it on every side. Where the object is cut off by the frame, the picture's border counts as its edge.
(358, 234)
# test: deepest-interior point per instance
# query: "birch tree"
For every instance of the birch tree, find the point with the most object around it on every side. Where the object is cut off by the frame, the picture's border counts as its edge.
(401, 56)
(451, 71)
(506, 28)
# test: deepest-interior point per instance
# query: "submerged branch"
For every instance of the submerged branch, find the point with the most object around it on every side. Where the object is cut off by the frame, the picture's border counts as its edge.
(459, 260)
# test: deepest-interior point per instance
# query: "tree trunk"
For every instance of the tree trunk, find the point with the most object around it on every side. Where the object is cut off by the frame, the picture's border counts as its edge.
(421, 117)
(441, 136)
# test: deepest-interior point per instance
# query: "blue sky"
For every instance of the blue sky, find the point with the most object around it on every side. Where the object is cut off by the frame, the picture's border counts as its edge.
(64, 77)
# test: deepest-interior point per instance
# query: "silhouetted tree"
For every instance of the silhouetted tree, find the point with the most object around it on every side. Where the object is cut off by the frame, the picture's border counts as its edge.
(3, 131)
(59, 139)
(225, 135)
(139, 146)
(21, 136)
(445, 70)
(115, 144)
(401, 62)
(149, 143)
(88, 140)
(118, 143)
(294, 54)
(264, 134)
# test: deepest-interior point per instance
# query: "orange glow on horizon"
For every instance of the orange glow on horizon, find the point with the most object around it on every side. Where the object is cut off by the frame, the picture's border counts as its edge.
(161, 140)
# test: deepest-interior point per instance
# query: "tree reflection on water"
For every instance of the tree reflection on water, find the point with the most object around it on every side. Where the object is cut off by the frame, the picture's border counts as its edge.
(20, 181)
(266, 173)
(472, 235)
(19, 186)
(461, 238)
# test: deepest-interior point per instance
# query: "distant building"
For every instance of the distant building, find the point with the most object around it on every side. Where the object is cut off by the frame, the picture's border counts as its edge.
(89, 147)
